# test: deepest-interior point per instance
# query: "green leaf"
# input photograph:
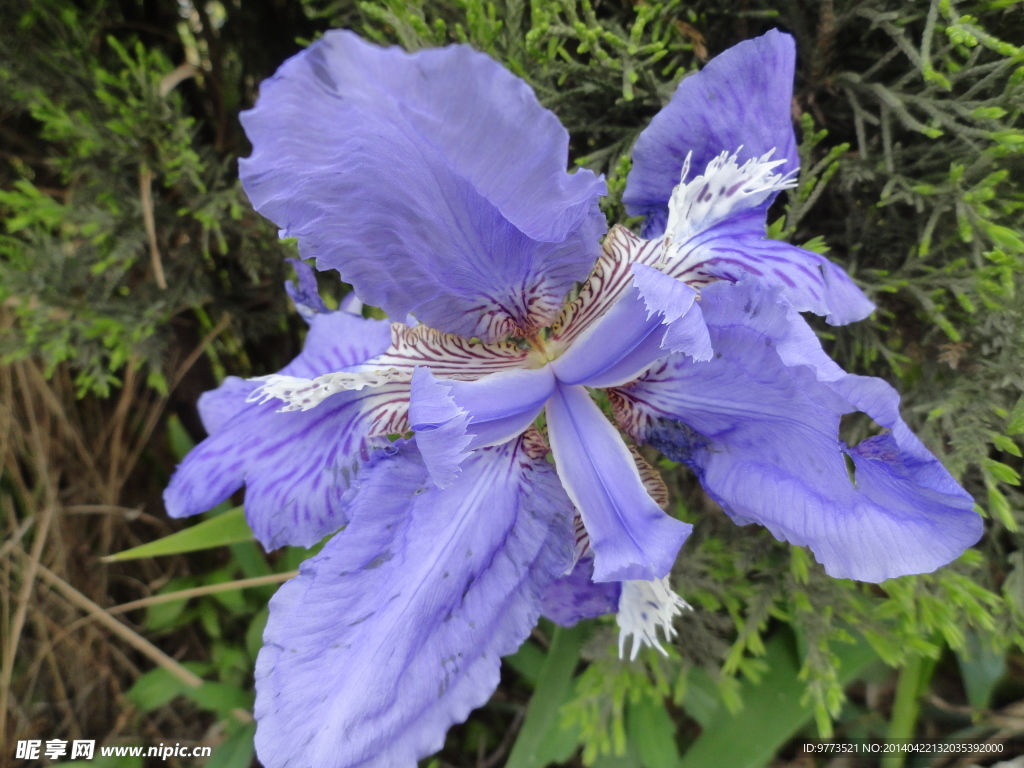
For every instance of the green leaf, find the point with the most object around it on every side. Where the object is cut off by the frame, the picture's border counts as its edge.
(1015, 424)
(981, 668)
(651, 730)
(162, 616)
(1004, 443)
(543, 739)
(180, 441)
(254, 635)
(1005, 238)
(219, 697)
(703, 698)
(528, 661)
(156, 688)
(1001, 472)
(228, 528)
(773, 710)
(628, 760)
(237, 750)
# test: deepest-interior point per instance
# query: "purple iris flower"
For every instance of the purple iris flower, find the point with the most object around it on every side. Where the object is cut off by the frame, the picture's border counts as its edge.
(435, 184)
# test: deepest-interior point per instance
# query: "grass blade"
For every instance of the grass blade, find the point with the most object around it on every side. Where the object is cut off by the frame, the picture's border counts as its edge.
(228, 528)
(542, 739)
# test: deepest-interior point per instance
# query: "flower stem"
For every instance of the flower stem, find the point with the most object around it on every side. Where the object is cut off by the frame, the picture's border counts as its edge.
(905, 709)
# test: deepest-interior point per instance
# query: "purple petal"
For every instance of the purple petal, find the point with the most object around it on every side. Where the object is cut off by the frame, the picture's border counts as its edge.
(337, 340)
(452, 417)
(577, 596)
(395, 631)
(434, 182)
(741, 98)
(632, 538)
(616, 348)
(296, 466)
(675, 301)
(641, 327)
(440, 427)
(220, 405)
(738, 248)
(760, 428)
(304, 292)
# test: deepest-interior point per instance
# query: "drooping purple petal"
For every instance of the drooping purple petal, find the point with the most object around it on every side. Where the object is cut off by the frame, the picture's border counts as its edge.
(395, 631)
(738, 248)
(220, 405)
(763, 437)
(631, 537)
(742, 98)
(452, 417)
(434, 182)
(303, 292)
(577, 596)
(296, 466)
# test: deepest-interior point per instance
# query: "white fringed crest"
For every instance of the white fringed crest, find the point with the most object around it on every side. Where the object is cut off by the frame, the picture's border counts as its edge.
(643, 607)
(725, 189)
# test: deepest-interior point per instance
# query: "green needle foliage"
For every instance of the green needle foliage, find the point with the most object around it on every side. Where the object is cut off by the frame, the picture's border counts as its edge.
(127, 232)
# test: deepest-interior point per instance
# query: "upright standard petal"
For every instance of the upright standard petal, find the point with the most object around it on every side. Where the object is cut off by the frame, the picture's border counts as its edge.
(296, 466)
(632, 538)
(395, 631)
(739, 102)
(434, 182)
(763, 437)
(622, 322)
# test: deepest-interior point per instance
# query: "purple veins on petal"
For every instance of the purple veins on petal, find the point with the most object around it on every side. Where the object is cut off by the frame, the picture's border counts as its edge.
(434, 182)
(296, 466)
(632, 538)
(759, 425)
(737, 248)
(394, 632)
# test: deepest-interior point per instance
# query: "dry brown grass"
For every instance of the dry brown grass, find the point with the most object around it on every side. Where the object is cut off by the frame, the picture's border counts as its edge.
(78, 483)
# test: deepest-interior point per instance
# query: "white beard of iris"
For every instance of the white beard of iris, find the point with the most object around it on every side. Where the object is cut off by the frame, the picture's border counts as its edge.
(643, 607)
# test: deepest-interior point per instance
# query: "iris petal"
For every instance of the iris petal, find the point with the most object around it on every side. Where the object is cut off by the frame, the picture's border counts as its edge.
(577, 596)
(740, 99)
(395, 630)
(760, 428)
(632, 538)
(303, 292)
(737, 248)
(648, 319)
(434, 182)
(296, 466)
(452, 417)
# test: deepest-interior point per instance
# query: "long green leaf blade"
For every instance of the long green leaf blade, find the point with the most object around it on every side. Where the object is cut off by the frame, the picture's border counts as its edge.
(542, 739)
(228, 528)
(772, 711)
